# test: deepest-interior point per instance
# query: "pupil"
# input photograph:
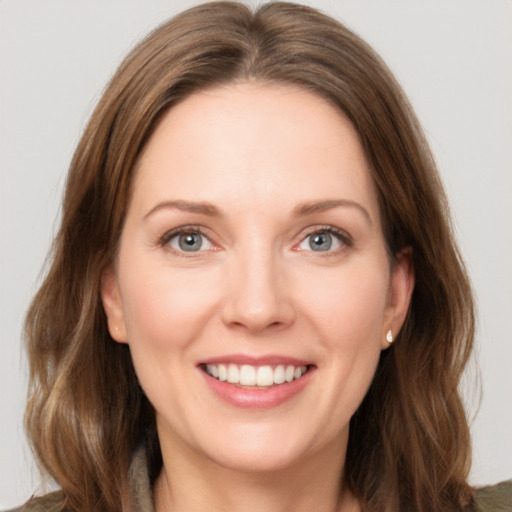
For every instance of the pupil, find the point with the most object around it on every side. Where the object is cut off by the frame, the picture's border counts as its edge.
(190, 242)
(321, 242)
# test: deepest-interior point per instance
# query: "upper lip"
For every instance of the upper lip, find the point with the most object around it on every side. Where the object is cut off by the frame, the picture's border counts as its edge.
(266, 360)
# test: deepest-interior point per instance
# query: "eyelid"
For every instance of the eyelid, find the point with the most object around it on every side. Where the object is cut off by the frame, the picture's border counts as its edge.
(341, 235)
(344, 238)
(164, 240)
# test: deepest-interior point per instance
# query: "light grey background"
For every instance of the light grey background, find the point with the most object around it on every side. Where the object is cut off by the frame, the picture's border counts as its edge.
(453, 58)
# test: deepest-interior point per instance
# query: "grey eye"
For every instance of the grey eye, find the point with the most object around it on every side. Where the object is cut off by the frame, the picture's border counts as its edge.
(321, 241)
(190, 242)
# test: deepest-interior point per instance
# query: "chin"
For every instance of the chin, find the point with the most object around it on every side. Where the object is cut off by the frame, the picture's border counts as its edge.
(267, 448)
(256, 459)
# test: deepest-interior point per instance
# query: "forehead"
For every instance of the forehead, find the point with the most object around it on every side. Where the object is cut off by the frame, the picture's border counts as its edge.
(254, 143)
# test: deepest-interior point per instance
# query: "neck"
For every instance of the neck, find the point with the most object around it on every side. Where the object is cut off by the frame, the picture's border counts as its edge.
(189, 484)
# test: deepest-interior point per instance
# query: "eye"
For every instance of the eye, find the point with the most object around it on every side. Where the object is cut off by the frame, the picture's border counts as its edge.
(189, 241)
(324, 240)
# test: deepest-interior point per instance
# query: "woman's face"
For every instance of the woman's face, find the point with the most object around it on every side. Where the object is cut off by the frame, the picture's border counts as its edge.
(252, 282)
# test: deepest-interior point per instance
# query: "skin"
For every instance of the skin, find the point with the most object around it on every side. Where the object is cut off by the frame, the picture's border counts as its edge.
(257, 153)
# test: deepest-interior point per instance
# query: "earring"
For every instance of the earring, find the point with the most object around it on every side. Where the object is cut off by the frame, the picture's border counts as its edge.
(389, 337)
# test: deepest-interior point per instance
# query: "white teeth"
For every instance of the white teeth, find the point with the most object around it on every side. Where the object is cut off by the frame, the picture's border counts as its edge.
(213, 370)
(233, 374)
(247, 375)
(279, 375)
(223, 372)
(264, 376)
(261, 376)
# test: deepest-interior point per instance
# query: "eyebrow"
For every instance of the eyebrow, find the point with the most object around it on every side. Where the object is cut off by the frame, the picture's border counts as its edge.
(200, 208)
(322, 206)
(302, 210)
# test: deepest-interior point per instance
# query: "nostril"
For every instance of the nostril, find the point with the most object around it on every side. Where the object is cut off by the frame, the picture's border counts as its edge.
(253, 307)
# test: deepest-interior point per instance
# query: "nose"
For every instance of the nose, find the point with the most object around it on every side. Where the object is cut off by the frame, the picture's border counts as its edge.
(258, 296)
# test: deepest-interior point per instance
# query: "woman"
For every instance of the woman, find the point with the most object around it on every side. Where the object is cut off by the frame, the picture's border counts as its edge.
(255, 284)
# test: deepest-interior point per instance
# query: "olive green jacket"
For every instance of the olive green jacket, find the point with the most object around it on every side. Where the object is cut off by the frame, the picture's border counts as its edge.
(496, 498)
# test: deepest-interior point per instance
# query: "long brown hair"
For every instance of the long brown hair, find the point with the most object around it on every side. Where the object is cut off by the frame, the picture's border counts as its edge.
(409, 446)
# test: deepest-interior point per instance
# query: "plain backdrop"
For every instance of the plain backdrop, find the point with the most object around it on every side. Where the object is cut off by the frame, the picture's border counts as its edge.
(454, 60)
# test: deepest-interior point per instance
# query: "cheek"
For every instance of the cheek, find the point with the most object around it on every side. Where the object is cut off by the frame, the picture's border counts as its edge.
(166, 312)
(349, 306)
(348, 315)
(166, 308)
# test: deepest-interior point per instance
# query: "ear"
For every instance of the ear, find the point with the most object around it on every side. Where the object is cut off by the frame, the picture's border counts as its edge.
(400, 293)
(111, 299)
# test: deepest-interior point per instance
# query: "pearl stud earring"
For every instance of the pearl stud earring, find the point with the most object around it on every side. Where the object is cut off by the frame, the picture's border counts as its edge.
(389, 337)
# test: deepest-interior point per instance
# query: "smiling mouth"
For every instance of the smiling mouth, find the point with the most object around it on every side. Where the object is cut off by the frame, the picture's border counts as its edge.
(255, 376)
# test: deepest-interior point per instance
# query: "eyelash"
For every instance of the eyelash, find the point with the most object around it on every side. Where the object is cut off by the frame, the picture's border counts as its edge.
(182, 230)
(340, 235)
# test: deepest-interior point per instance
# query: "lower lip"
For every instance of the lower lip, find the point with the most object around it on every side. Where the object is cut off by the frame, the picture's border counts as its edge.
(250, 398)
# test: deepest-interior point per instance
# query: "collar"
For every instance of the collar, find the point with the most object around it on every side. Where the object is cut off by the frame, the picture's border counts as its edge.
(142, 494)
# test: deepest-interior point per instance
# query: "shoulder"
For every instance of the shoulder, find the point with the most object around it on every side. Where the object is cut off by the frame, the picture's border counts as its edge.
(491, 498)
(494, 498)
(52, 502)
(140, 489)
